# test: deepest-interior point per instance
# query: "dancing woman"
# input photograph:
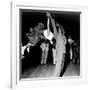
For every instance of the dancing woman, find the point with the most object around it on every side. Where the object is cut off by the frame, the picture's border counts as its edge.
(59, 49)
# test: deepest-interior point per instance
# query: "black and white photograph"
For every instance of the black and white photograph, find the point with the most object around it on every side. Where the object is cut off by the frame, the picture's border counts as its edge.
(49, 43)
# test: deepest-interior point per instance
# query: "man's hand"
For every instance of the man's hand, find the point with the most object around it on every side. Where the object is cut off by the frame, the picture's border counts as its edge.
(48, 14)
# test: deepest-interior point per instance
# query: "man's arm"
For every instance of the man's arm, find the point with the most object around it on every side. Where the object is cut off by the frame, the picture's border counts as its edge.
(48, 28)
(53, 25)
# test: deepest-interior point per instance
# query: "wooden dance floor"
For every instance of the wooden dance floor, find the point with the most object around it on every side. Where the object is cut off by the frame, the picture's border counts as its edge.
(40, 71)
(47, 70)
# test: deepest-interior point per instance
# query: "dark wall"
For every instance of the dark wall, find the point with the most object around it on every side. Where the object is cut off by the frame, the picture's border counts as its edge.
(30, 18)
(69, 20)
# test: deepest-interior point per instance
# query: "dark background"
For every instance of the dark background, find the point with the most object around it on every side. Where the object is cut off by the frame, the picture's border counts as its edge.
(69, 20)
(30, 18)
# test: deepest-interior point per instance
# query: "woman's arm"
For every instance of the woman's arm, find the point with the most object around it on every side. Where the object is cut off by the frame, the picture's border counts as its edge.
(54, 27)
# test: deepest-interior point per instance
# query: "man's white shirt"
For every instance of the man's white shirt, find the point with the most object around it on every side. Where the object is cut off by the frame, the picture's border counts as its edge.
(50, 36)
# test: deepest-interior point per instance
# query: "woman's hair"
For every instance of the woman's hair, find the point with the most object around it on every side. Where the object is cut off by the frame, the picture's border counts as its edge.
(60, 29)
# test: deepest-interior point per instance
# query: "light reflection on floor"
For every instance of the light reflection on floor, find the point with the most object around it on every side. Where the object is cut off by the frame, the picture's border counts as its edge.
(72, 70)
(43, 71)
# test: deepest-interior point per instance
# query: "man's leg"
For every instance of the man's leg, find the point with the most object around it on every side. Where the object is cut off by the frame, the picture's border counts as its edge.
(42, 57)
(54, 56)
